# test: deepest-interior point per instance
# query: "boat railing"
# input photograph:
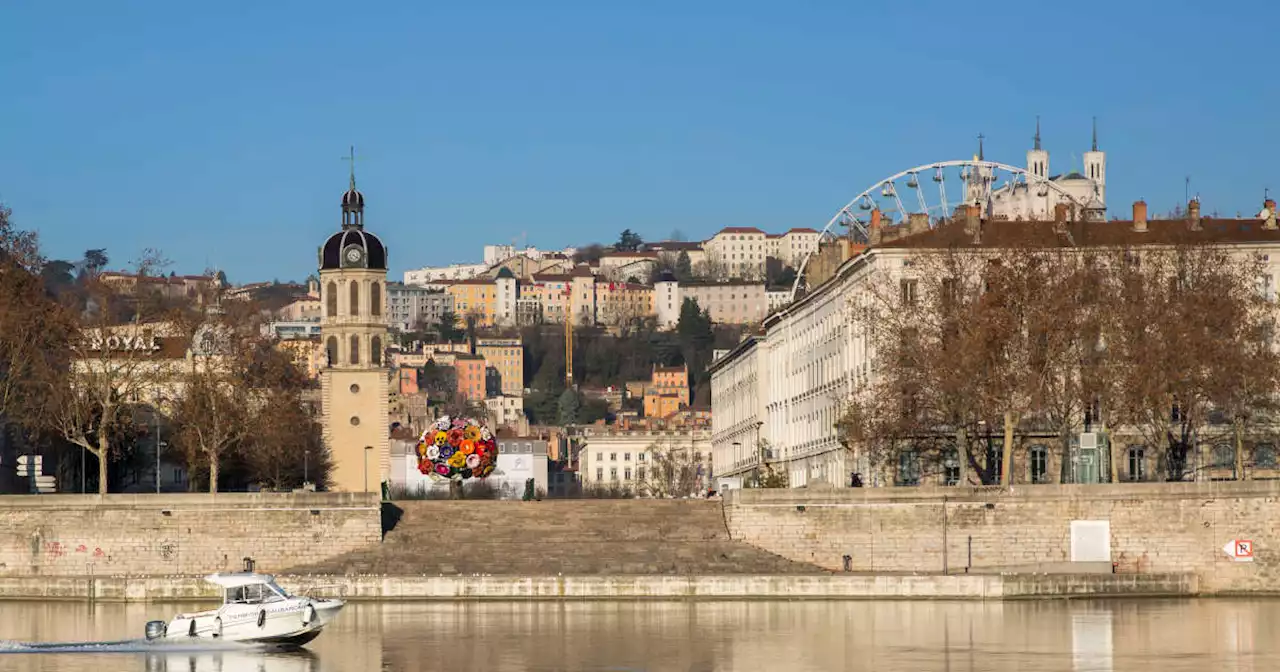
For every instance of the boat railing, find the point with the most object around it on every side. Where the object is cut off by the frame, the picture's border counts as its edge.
(319, 590)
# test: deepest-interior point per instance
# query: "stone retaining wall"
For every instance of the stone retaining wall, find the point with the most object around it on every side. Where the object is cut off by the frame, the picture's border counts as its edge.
(77, 535)
(508, 588)
(1157, 527)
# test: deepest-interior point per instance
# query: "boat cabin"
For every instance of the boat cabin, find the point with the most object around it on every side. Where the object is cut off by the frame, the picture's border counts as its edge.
(248, 588)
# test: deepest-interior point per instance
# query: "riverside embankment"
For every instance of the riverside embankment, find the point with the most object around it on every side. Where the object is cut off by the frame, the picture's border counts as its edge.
(614, 588)
(955, 543)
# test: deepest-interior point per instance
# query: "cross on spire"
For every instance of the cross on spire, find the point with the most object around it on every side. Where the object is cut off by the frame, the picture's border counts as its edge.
(352, 158)
(1095, 134)
(1037, 132)
(981, 156)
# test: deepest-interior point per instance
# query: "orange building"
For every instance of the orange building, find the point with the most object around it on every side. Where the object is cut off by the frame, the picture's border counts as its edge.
(470, 373)
(477, 296)
(668, 391)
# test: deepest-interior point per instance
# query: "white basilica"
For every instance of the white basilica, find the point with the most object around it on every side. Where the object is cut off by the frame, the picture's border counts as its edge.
(1034, 200)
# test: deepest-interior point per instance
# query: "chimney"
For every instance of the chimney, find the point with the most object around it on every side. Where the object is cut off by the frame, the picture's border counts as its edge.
(1060, 213)
(1140, 216)
(875, 232)
(1269, 214)
(917, 222)
(1193, 214)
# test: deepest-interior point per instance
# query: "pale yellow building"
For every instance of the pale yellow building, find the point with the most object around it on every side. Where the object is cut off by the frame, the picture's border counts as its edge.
(354, 381)
(506, 356)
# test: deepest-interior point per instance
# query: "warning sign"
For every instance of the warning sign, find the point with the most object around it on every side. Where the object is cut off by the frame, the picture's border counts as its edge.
(1240, 550)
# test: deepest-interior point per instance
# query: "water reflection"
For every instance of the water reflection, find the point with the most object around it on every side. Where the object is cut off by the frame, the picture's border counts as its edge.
(1102, 636)
(233, 661)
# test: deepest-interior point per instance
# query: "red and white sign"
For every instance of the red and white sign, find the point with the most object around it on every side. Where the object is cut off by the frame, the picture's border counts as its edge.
(1240, 550)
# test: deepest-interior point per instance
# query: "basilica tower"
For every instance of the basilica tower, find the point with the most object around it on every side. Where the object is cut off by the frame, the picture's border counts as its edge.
(353, 327)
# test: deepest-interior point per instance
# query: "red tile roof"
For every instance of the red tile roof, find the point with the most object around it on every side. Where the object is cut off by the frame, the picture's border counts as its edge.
(740, 229)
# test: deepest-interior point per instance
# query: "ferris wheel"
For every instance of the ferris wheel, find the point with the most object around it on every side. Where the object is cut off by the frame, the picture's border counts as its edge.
(989, 185)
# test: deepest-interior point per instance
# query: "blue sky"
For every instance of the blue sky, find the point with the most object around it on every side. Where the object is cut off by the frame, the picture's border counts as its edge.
(214, 131)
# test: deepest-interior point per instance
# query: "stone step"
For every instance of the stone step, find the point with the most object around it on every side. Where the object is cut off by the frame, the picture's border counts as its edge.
(571, 537)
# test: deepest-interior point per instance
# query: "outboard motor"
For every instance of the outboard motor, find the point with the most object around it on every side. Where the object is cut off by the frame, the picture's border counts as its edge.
(156, 629)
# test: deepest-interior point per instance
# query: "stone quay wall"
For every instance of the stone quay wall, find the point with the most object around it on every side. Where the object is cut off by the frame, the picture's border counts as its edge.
(1170, 528)
(604, 587)
(182, 534)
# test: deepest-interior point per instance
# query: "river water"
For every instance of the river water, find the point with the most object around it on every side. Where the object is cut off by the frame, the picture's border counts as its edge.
(1099, 636)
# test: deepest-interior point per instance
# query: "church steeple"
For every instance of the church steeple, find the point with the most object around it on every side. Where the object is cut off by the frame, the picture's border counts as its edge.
(981, 154)
(1037, 158)
(352, 200)
(1095, 136)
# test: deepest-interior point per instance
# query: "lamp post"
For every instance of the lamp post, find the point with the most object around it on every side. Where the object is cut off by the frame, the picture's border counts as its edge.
(160, 445)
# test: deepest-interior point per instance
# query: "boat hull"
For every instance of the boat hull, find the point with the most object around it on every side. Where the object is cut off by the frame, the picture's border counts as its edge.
(292, 622)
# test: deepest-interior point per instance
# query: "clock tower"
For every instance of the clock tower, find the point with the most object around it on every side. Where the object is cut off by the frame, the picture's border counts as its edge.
(353, 327)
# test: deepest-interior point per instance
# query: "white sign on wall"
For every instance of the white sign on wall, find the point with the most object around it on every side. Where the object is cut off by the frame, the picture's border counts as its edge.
(1240, 550)
(1091, 541)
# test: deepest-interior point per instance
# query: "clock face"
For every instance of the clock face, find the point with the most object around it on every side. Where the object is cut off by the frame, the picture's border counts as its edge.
(354, 254)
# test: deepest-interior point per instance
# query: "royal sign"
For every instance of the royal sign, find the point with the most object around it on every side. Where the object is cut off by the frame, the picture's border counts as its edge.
(126, 343)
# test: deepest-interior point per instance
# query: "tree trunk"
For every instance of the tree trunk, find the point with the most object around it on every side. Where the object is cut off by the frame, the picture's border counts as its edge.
(962, 456)
(213, 473)
(104, 449)
(1111, 456)
(1006, 467)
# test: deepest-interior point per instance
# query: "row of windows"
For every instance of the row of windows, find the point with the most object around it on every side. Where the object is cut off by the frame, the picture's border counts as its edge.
(626, 474)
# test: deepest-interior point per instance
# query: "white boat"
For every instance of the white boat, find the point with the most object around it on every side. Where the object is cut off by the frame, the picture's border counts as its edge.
(255, 610)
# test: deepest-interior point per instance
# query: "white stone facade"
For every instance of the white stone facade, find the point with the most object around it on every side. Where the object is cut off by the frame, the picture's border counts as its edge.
(807, 364)
(1029, 202)
(428, 274)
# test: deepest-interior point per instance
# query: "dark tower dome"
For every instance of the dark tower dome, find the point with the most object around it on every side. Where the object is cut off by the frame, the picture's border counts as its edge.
(353, 248)
(352, 198)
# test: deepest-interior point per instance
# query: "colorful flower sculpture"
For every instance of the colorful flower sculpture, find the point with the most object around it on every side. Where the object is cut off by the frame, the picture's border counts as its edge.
(457, 449)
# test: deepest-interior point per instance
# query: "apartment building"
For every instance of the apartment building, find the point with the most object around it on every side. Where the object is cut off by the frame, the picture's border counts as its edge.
(729, 301)
(409, 305)
(506, 356)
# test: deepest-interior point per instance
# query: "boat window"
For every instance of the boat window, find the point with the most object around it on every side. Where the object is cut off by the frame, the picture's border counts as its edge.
(279, 593)
(254, 593)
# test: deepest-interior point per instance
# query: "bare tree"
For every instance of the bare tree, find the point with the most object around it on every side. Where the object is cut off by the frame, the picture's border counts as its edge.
(18, 247)
(674, 472)
(1191, 346)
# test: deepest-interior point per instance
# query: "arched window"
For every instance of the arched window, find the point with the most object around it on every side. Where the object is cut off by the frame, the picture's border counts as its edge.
(331, 300)
(375, 299)
(375, 349)
(355, 346)
(331, 350)
(355, 299)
